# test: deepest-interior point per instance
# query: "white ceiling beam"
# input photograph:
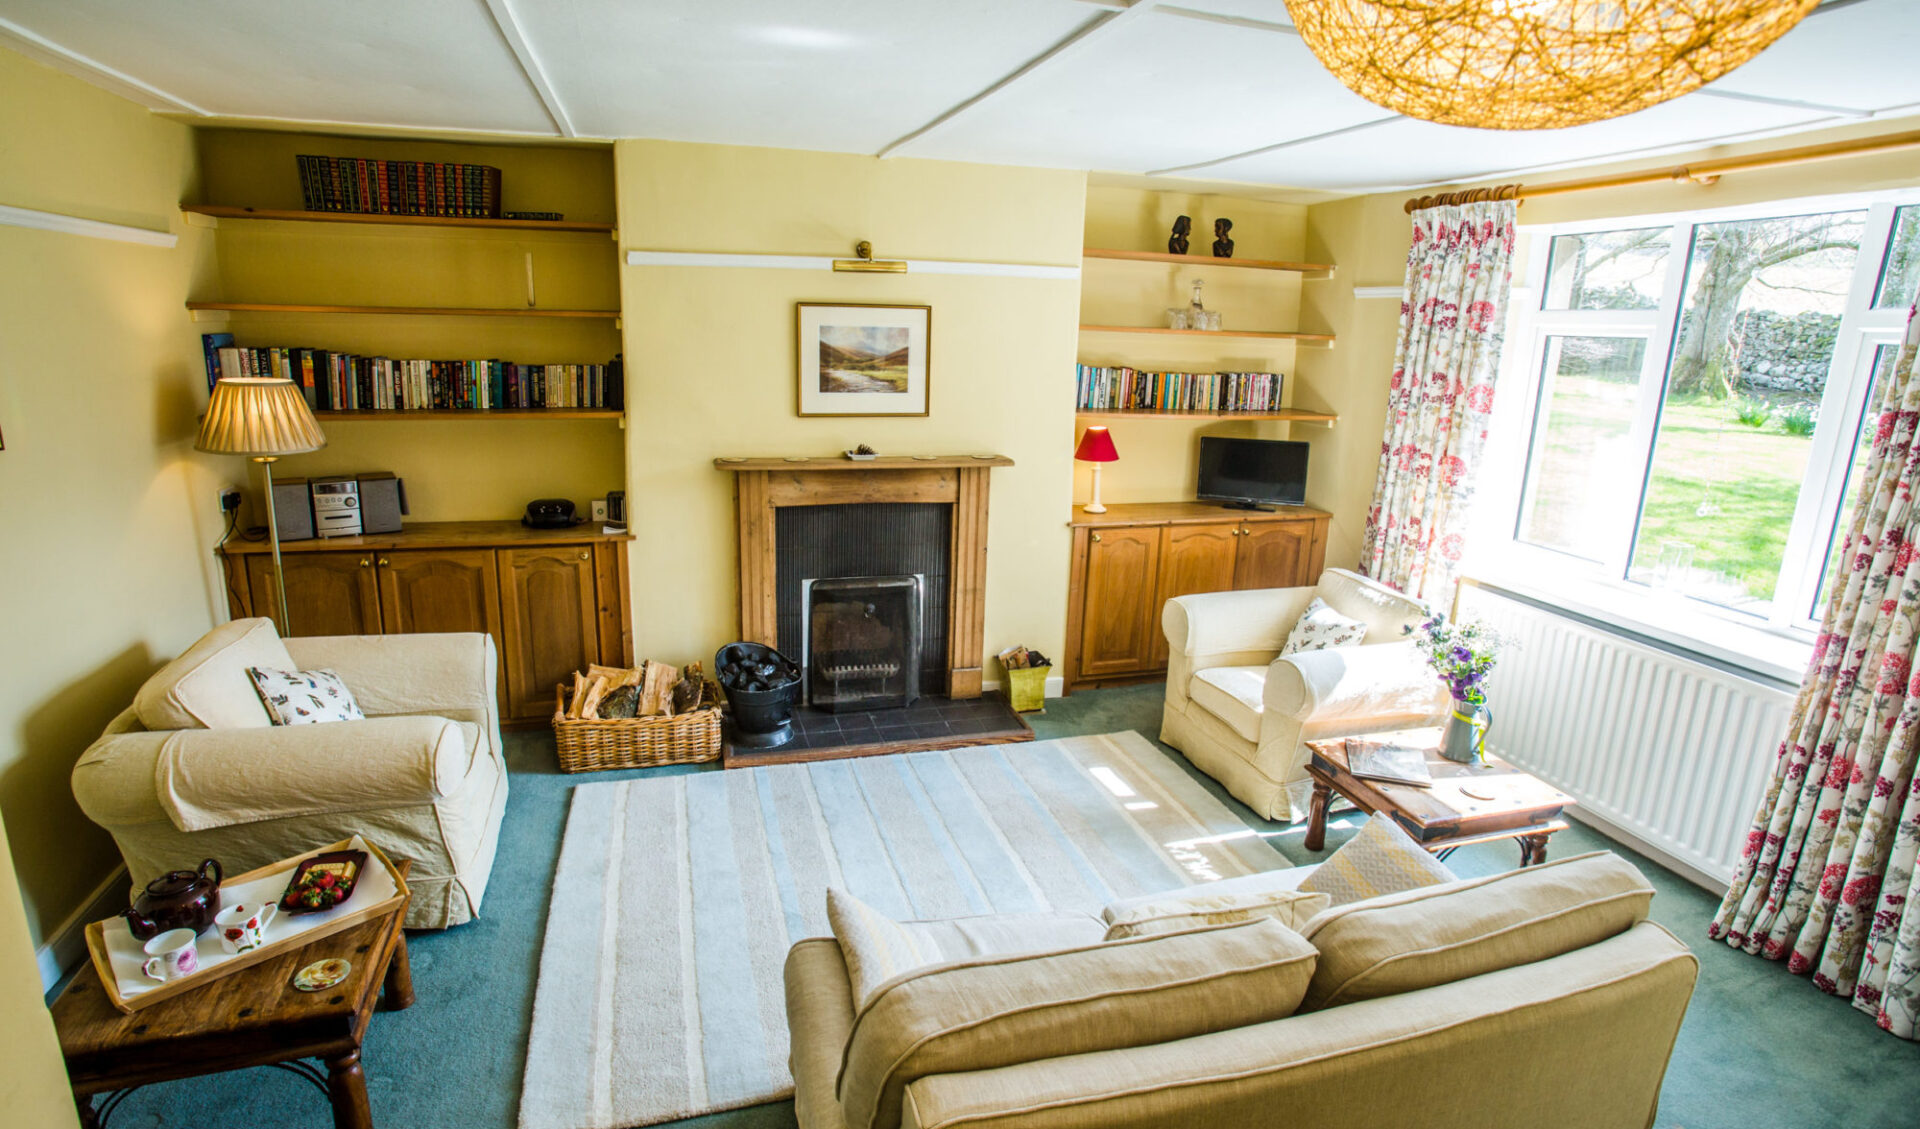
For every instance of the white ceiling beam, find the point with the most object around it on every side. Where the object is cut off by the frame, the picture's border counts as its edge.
(1231, 21)
(536, 75)
(1265, 149)
(1789, 103)
(1105, 22)
(38, 47)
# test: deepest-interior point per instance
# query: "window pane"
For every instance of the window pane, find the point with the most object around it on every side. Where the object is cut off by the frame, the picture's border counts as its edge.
(1607, 270)
(1749, 365)
(1579, 435)
(1902, 266)
(1883, 359)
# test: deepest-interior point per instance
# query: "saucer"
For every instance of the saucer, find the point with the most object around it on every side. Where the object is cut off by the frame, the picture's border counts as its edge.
(322, 974)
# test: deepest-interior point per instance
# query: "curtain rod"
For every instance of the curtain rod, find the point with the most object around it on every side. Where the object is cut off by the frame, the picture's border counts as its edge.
(1704, 173)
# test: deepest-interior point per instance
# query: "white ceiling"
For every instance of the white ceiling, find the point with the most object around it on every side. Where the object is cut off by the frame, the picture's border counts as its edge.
(1215, 90)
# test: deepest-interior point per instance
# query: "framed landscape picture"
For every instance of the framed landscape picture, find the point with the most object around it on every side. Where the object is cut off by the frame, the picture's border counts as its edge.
(863, 360)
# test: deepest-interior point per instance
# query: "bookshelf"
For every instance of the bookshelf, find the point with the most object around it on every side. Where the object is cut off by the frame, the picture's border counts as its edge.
(1310, 271)
(427, 287)
(1291, 415)
(1306, 338)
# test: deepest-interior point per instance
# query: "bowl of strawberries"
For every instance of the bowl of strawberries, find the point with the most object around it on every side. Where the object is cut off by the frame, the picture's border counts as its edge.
(323, 881)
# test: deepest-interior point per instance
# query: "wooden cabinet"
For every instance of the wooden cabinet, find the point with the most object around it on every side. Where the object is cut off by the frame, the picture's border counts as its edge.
(1120, 566)
(552, 621)
(1129, 561)
(553, 600)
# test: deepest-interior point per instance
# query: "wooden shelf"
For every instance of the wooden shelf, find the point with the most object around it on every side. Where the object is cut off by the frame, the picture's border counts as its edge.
(1311, 270)
(1309, 338)
(437, 535)
(427, 311)
(1294, 414)
(882, 462)
(402, 415)
(230, 212)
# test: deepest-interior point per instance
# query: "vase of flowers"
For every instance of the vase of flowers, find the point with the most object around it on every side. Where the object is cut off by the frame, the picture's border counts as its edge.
(1463, 656)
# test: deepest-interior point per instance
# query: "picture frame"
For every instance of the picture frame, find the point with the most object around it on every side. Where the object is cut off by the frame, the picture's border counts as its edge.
(863, 359)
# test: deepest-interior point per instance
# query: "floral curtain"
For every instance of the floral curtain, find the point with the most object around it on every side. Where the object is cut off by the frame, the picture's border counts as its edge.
(1452, 314)
(1827, 874)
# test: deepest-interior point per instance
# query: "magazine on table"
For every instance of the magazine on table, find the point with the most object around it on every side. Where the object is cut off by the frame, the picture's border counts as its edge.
(1388, 762)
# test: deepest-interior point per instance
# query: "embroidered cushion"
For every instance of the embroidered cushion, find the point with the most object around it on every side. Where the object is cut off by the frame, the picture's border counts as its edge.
(304, 697)
(1320, 627)
(1202, 906)
(876, 947)
(1381, 859)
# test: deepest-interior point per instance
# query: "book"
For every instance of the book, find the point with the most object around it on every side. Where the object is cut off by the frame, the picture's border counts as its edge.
(1390, 763)
(210, 346)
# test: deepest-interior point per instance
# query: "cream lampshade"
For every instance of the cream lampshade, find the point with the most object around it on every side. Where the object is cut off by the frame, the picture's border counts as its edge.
(263, 420)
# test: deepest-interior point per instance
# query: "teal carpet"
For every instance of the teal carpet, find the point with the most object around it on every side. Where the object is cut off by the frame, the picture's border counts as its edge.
(1760, 1048)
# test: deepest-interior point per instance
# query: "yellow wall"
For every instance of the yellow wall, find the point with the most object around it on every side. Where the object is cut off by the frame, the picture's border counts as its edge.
(33, 1084)
(456, 469)
(714, 359)
(1158, 457)
(110, 515)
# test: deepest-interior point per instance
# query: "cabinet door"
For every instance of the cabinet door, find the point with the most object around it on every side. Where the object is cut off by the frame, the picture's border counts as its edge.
(433, 590)
(1275, 554)
(1118, 627)
(550, 619)
(1193, 558)
(327, 593)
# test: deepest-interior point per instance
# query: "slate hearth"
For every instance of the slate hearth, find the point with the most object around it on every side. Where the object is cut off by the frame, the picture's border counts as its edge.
(930, 723)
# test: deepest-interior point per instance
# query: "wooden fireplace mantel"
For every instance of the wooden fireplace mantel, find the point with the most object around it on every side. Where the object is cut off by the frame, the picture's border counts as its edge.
(763, 485)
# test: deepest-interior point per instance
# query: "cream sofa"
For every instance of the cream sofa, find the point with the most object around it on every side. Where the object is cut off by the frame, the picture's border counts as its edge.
(1542, 996)
(1242, 714)
(195, 769)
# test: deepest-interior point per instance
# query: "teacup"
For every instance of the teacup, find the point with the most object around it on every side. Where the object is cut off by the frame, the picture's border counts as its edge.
(244, 927)
(171, 955)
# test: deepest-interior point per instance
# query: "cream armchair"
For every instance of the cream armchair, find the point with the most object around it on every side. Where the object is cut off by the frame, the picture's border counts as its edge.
(195, 769)
(1242, 713)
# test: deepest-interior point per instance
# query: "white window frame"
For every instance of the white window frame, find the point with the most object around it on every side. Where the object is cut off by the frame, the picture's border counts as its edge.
(1775, 643)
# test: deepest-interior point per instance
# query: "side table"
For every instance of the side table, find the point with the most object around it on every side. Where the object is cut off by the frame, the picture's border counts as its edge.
(1467, 804)
(255, 1017)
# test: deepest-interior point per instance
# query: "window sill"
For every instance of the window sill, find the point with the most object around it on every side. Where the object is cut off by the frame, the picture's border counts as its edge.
(1675, 622)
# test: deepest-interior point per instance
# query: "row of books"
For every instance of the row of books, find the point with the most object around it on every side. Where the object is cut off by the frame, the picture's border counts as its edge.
(1125, 389)
(349, 382)
(398, 188)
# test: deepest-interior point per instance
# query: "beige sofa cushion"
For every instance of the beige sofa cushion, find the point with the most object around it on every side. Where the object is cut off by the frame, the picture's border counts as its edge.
(1439, 934)
(1203, 906)
(1385, 612)
(984, 1014)
(208, 687)
(1232, 694)
(876, 947)
(1379, 859)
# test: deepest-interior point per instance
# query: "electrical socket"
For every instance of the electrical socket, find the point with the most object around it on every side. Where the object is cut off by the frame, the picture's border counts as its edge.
(229, 499)
(600, 509)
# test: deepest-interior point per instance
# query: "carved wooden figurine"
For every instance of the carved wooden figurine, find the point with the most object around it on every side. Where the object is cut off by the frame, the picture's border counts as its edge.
(1222, 246)
(1177, 242)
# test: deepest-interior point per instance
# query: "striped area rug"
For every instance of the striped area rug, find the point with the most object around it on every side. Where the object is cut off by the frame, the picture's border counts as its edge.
(676, 898)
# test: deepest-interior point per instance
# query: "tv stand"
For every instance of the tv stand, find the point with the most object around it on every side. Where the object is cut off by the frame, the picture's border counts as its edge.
(1253, 506)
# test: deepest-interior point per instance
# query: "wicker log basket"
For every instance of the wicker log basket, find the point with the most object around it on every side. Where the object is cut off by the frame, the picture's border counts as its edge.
(593, 745)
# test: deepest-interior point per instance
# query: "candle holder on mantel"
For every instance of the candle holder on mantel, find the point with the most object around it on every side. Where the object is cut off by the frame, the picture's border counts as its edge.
(1096, 447)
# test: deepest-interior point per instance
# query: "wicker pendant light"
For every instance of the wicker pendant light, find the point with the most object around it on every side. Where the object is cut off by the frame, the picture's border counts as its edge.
(1535, 64)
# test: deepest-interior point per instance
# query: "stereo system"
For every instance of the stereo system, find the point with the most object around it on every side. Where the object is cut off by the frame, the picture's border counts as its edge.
(339, 505)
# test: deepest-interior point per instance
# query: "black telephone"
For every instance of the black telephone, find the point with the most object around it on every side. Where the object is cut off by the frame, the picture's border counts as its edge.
(549, 513)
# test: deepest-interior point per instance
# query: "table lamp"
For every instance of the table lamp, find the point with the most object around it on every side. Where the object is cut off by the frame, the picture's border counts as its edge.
(263, 420)
(1096, 447)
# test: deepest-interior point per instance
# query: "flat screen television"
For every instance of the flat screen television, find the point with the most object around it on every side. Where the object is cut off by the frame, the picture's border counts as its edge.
(1252, 474)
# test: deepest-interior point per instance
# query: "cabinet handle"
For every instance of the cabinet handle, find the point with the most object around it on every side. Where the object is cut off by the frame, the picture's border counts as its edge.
(586, 556)
(384, 562)
(366, 562)
(1096, 537)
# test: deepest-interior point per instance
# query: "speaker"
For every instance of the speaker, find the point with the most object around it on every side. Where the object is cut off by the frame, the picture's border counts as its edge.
(293, 509)
(383, 500)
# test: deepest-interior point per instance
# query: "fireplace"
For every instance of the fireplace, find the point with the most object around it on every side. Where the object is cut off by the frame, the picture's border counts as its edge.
(860, 641)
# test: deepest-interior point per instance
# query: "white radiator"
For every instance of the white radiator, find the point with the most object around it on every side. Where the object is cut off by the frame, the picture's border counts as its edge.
(1663, 749)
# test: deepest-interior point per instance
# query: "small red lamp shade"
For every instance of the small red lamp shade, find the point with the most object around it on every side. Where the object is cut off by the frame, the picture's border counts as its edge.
(1096, 446)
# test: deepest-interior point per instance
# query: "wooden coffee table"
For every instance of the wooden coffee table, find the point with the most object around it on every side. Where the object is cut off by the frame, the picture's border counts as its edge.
(254, 1017)
(1467, 804)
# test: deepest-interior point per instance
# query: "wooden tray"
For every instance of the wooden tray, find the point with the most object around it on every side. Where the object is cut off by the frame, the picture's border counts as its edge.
(225, 964)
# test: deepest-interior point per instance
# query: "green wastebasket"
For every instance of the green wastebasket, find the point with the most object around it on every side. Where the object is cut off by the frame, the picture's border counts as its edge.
(1028, 688)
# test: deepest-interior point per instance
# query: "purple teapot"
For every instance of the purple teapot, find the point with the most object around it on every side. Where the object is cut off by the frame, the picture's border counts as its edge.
(181, 899)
